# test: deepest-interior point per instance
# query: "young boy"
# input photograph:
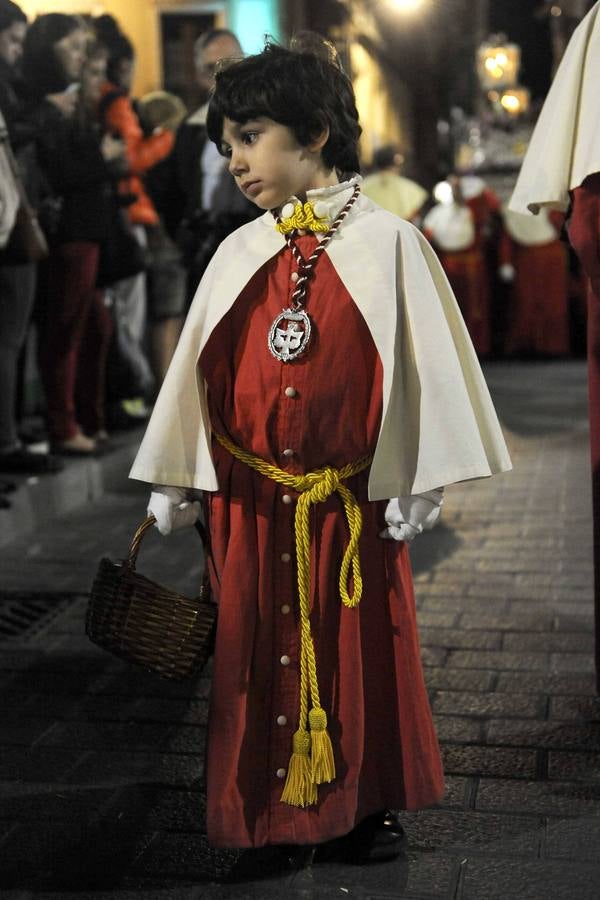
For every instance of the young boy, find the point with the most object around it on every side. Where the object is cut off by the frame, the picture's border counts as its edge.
(320, 400)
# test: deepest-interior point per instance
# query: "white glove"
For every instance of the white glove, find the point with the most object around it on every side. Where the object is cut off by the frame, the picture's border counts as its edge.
(506, 273)
(406, 517)
(172, 508)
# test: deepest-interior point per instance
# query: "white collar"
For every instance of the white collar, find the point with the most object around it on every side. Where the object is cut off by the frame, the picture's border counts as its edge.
(326, 201)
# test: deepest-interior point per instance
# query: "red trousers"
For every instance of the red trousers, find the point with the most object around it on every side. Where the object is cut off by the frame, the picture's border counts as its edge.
(75, 330)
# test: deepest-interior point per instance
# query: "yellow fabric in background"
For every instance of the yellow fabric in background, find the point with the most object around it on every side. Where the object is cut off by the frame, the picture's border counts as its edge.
(395, 193)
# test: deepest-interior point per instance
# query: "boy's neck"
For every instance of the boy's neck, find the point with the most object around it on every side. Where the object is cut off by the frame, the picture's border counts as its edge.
(322, 179)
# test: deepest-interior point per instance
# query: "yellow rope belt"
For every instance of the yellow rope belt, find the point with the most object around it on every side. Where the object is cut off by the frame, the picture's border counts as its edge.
(312, 760)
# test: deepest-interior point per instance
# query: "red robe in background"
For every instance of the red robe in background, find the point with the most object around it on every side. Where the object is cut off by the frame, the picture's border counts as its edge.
(319, 410)
(584, 234)
(538, 316)
(452, 230)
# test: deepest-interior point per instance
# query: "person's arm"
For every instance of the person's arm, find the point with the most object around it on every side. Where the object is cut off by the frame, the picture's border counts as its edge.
(584, 224)
(142, 152)
(506, 268)
(68, 167)
(162, 185)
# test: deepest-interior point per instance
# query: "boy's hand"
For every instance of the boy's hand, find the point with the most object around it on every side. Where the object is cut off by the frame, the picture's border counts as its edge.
(406, 517)
(172, 508)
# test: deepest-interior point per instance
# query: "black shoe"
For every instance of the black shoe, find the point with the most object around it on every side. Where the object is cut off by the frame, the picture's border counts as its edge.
(34, 434)
(377, 838)
(7, 487)
(28, 463)
(389, 838)
(4, 503)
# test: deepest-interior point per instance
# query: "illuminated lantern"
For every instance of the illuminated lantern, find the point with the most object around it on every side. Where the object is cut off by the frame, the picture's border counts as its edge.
(498, 65)
(515, 101)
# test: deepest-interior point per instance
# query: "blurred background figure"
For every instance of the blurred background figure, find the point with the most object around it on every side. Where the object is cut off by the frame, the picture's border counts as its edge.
(165, 273)
(391, 190)
(458, 233)
(533, 261)
(119, 118)
(73, 328)
(193, 189)
(17, 275)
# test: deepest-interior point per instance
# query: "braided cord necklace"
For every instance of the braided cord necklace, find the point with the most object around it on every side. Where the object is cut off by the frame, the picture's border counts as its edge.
(287, 344)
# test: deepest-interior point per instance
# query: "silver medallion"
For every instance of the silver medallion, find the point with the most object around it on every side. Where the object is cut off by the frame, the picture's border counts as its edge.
(287, 343)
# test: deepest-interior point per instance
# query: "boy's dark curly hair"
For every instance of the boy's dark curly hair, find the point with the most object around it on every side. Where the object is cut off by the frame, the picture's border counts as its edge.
(298, 89)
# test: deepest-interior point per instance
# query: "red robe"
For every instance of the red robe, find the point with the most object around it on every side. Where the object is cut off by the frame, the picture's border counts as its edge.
(468, 276)
(538, 319)
(584, 234)
(326, 408)
(467, 270)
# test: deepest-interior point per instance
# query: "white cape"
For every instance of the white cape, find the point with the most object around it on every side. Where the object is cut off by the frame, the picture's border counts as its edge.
(438, 422)
(565, 145)
(530, 231)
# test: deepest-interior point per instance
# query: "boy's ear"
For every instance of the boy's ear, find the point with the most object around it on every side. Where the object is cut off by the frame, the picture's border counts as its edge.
(319, 140)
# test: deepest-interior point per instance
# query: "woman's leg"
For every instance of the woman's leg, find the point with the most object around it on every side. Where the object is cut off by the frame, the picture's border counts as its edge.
(71, 283)
(90, 385)
(17, 291)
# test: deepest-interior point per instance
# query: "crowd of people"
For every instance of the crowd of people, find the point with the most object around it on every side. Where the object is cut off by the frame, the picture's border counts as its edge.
(132, 199)
(128, 200)
(519, 286)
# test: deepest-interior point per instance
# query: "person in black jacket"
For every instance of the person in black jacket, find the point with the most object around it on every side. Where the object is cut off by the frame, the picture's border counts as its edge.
(74, 329)
(17, 277)
(192, 189)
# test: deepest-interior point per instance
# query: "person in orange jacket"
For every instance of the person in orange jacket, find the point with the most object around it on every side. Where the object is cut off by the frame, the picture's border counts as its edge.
(142, 153)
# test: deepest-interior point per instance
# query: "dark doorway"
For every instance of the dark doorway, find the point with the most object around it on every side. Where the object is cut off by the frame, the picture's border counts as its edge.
(179, 33)
(526, 23)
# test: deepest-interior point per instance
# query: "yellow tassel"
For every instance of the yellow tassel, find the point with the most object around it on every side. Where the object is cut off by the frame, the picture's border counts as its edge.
(323, 764)
(299, 789)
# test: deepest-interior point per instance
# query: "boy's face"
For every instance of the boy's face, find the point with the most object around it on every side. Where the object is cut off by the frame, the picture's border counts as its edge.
(268, 163)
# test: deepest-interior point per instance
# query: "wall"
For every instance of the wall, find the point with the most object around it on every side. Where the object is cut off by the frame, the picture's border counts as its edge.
(140, 20)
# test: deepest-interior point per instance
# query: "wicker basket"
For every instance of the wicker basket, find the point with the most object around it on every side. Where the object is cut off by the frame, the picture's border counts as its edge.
(147, 624)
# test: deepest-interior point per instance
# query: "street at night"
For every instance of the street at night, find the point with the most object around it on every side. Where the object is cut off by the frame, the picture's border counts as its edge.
(300, 375)
(102, 764)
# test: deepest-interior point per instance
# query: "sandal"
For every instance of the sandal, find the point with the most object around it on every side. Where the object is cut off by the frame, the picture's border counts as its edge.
(79, 445)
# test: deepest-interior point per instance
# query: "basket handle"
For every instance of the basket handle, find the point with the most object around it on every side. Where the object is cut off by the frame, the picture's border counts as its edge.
(134, 547)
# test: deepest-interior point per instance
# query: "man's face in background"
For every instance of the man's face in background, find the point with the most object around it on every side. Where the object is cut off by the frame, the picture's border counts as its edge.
(223, 47)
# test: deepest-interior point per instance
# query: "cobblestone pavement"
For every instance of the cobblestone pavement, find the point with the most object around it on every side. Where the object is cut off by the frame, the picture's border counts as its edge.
(101, 765)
